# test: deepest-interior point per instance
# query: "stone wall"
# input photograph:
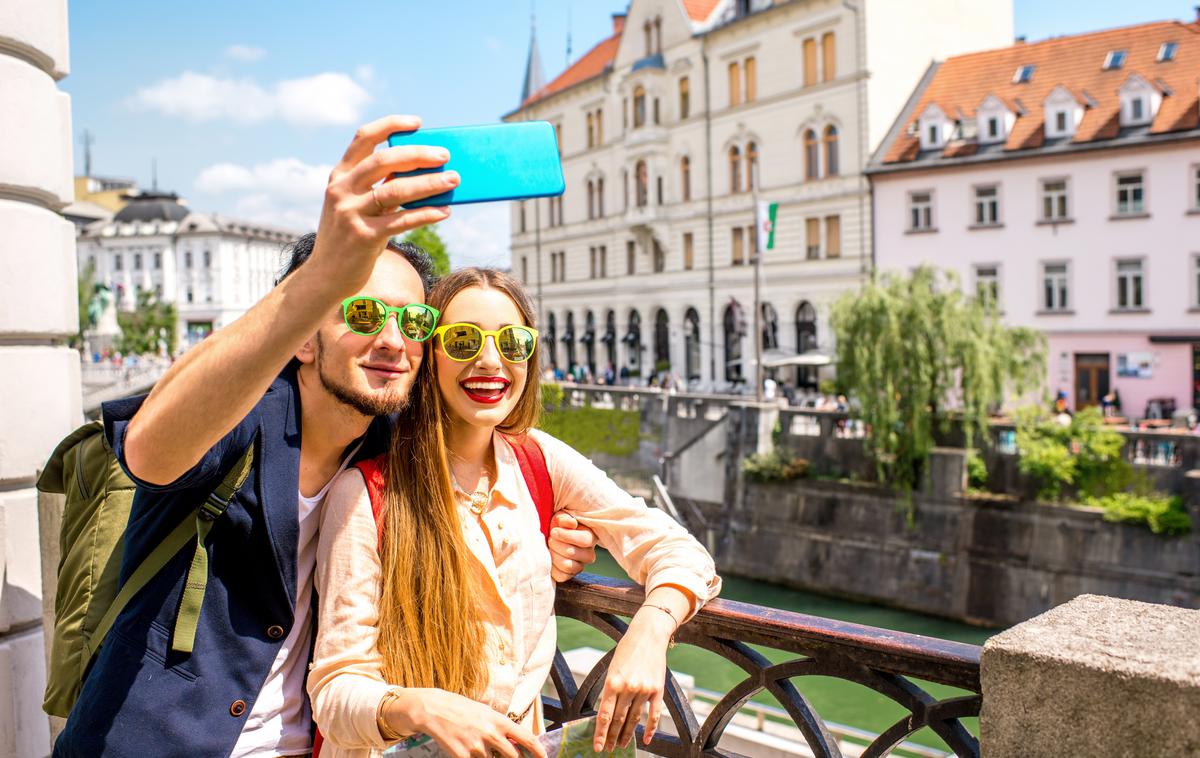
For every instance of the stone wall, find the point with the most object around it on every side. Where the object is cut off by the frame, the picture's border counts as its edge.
(39, 374)
(986, 561)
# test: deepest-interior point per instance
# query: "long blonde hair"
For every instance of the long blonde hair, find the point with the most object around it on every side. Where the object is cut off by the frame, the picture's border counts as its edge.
(430, 625)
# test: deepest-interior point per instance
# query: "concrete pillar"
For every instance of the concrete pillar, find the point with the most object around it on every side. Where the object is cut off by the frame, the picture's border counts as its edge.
(947, 474)
(39, 374)
(1094, 676)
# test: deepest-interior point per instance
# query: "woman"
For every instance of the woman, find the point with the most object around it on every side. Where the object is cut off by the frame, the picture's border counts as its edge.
(440, 617)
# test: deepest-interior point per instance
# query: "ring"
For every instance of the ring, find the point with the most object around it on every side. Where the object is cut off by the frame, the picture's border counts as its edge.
(378, 204)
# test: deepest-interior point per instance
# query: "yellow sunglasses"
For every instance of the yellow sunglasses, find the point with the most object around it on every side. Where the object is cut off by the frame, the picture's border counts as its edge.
(464, 341)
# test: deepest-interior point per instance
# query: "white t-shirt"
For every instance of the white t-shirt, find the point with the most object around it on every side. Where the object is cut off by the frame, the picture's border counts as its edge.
(276, 725)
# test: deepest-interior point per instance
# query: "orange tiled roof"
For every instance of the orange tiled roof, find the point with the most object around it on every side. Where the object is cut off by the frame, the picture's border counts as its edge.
(592, 64)
(699, 10)
(963, 82)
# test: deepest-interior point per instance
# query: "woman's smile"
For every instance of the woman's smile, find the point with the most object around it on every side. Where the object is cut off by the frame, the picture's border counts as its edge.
(485, 389)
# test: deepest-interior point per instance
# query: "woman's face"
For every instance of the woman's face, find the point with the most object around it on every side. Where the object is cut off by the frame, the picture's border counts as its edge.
(481, 392)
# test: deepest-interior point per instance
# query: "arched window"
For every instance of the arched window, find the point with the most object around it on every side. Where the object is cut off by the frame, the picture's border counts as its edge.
(662, 341)
(831, 150)
(600, 197)
(685, 104)
(591, 130)
(633, 343)
(658, 34)
(639, 106)
(735, 169)
(610, 340)
(733, 342)
(811, 166)
(769, 326)
(685, 178)
(568, 339)
(691, 343)
(829, 57)
(589, 343)
(660, 258)
(752, 166)
(806, 339)
(550, 342)
(591, 190)
(643, 183)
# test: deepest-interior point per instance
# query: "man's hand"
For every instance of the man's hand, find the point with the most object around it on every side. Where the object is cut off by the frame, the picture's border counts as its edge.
(572, 546)
(359, 216)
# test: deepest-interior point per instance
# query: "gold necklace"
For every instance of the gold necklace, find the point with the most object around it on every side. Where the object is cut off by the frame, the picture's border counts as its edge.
(478, 499)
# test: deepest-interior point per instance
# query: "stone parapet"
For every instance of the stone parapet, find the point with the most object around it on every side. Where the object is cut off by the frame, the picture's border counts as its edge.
(1096, 676)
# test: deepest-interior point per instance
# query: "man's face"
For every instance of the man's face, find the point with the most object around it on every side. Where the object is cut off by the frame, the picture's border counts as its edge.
(371, 374)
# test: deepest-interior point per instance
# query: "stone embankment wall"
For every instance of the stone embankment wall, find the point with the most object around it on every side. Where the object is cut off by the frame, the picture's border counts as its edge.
(995, 561)
(39, 375)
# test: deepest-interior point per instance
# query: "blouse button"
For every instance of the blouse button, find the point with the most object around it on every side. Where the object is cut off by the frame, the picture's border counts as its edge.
(237, 708)
(275, 631)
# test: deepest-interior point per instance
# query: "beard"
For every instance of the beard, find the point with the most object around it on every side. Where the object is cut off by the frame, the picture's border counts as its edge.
(368, 404)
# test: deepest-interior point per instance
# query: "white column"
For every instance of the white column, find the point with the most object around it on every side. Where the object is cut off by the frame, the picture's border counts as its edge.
(39, 374)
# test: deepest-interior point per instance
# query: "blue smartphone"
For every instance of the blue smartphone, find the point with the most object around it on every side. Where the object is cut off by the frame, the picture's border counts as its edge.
(493, 161)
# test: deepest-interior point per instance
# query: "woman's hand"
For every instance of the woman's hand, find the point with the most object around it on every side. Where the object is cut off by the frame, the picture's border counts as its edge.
(636, 676)
(463, 727)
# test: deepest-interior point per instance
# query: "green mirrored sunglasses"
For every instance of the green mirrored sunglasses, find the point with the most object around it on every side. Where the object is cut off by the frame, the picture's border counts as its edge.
(367, 315)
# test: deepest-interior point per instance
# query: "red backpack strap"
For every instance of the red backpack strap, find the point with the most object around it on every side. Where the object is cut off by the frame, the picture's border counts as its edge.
(532, 461)
(373, 471)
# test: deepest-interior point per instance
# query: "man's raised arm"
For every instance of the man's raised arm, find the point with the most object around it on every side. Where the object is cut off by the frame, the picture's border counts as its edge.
(216, 383)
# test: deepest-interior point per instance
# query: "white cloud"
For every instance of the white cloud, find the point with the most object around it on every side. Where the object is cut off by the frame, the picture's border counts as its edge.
(478, 235)
(245, 53)
(325, 99)
(285, 192)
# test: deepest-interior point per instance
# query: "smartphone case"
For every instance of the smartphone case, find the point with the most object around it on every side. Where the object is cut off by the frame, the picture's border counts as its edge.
(494, 161)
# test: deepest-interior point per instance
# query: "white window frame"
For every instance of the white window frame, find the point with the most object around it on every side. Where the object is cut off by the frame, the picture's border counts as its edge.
(998, 292)
(1062, 302)
(1129, 210)
(1114, 60)
(1023, 74)
(1167, 51)
(930, 216)
(1195, 282)
(1140, 275)
(1042, 194)
(1194, 186)
(975, 203)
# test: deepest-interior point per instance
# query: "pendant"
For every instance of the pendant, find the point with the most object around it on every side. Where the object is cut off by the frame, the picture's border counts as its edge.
(479, 500)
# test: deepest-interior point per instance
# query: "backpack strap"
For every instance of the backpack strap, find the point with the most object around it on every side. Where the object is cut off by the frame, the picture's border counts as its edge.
(532, 461)
(210, 510)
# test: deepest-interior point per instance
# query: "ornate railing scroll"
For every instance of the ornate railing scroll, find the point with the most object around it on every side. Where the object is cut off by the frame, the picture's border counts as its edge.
(883, 660)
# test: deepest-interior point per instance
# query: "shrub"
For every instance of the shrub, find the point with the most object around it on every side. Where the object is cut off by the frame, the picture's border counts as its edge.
(977, 471)
(552, 396)
(774, 466)
(1164, 514)
(594, 430)
(1083, 456)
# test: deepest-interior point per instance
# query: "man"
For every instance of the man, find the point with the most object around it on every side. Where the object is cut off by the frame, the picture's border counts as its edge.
(291, 379)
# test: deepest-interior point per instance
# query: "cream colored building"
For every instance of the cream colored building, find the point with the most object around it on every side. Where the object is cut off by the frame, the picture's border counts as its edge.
(672, 126)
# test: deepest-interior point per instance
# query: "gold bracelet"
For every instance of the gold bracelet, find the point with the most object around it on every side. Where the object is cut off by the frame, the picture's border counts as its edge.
(385, 730)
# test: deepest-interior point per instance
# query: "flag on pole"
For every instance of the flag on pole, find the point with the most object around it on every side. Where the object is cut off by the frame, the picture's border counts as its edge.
(766, 225)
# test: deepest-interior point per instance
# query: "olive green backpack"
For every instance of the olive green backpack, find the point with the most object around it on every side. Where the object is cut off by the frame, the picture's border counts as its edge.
(92, 542)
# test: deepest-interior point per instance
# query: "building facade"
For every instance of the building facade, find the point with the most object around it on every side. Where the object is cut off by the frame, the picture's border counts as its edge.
(211, 267)
(1062, 179)
(672, 128)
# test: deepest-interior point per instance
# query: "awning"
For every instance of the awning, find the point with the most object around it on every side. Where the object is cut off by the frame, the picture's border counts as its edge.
(780, 358)
(568, 336)
(588, 337)
(609, 337)
(631, 337)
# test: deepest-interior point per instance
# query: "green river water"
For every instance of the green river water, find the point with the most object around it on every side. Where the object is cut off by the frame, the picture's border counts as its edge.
(834, 700)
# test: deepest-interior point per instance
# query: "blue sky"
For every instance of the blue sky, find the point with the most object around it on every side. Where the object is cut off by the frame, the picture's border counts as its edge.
(246, 105)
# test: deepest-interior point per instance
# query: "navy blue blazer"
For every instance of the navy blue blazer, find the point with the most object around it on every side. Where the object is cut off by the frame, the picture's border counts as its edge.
(140, 698)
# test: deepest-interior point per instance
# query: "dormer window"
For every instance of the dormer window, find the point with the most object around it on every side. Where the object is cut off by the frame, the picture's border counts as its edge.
(1063, 112)
(992, 120)
(933, 136)
(1060, 122)
(1137, 109)
(993, 127)
(1114, 60)
(1023, 75)
(932, 128)
(1139, 101)
(1166, 53)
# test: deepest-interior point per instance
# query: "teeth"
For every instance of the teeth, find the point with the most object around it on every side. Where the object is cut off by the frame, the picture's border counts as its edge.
(484, 385)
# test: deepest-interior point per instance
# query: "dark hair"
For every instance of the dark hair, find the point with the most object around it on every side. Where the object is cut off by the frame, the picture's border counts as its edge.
(299, 251)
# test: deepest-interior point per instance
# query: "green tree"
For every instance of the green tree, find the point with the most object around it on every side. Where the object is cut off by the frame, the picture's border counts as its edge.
(150, 321)
(86, 292)
(913, 351)
(428, 239)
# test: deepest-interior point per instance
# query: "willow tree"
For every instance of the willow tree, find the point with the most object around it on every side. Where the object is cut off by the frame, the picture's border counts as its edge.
(428, 239)
(914, 352)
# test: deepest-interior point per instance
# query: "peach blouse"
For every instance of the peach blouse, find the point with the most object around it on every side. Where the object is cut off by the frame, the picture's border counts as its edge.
(513, 567)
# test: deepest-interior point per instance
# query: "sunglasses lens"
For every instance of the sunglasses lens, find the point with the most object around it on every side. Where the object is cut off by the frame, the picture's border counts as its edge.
(417, 322)
(364, 315)
(515, 344)
(462, 342)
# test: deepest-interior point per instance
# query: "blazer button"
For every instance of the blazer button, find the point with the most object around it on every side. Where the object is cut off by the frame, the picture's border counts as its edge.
(275, 631)
(237, 708)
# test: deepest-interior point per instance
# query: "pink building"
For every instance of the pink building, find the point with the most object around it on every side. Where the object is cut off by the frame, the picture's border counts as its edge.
(1062, 178)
